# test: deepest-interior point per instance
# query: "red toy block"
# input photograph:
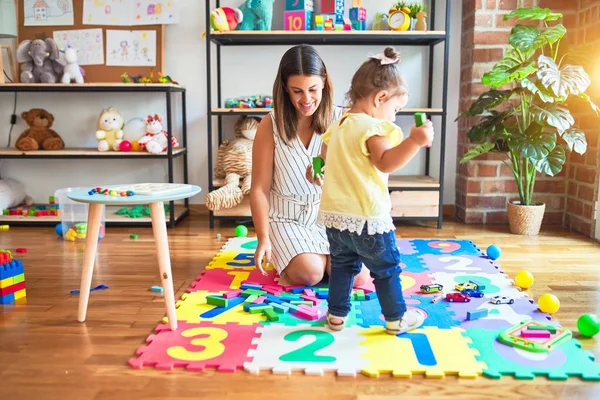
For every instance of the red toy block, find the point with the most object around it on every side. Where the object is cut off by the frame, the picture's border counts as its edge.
(12, 289)
(21, 250)
(527, 333)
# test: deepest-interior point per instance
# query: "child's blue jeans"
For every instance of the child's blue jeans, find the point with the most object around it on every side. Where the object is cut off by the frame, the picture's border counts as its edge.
(380, 255)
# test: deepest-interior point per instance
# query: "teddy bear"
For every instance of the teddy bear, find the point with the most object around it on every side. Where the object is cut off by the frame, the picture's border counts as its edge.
(39, 135)
(234, 162)
(156, 138)
(110, 130)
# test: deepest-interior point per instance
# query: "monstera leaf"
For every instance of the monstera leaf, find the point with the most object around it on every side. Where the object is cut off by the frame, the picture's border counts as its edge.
(552, 164)
(569, 80)
(490, 126)
(585, 97)
(533, 14)
(477, 151)
(554, 115)
(487, 101)
(528, 38)
(538, 147)
(515, 65)
(575, 139)
(536, 88)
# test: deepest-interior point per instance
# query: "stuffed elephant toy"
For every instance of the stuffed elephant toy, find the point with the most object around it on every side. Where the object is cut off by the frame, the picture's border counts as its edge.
(257, 15)
(38, 59)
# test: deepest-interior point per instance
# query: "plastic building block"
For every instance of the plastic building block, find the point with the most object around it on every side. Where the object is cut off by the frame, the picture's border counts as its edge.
(549, 328)
(271, 314)
(272, 299)
(307, 312)
(99, 287)
(289, 296)
(250, 299)
(245, 286)
(360, 295)
(301, 302)
(21, 250)
(319, 26)
(218, 301)
(309, 292)
(272, 290)
(313, 301)
(358, 14)
(259, 309)
(535, 334)
(134, 236)
(300, 20)
(420, 119)
(233, 293)
(371, 296)
(322, 294)
(476, 314)
(297, 289)
(259, 300)
(250, 292)
(359, 25)
(307, 5)
(157, 289)
(279, 308)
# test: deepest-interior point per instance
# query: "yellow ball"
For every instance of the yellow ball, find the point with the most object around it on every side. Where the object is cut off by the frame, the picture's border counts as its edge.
(524, 279)
(548, 303)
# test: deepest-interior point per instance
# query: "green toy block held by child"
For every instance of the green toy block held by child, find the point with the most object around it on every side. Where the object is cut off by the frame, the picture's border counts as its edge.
(317, 164)
(420, 119)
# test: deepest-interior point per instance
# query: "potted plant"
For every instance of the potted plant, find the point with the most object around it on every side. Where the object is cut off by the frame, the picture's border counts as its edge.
(526, 114)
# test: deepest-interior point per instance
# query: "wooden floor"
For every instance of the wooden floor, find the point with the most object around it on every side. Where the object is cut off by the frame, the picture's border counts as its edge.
(45, 354)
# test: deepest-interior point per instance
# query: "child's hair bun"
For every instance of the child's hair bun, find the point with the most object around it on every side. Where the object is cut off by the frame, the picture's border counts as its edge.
(391, 53)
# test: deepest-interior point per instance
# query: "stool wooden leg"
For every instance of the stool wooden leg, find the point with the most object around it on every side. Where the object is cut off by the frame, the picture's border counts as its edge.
(91, 245)
(159, 227)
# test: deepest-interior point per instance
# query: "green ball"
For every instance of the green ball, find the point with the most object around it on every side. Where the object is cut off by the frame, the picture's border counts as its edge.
(241, 231)
(588, 325)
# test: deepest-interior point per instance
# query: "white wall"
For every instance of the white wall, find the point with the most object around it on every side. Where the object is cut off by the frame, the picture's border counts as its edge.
(246, 70)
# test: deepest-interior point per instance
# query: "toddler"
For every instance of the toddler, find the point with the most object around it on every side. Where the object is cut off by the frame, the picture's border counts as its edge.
(361, 149)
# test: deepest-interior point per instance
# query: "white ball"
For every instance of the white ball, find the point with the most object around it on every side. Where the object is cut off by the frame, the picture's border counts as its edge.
(134, 129)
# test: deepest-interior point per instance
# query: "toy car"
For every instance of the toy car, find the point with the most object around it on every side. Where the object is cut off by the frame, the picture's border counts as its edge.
(435, 287)
(472, 292)
(455, 296)
(466, 285)
(501, 300)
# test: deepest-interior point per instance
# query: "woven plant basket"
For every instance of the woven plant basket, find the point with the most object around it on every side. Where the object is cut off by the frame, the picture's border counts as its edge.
(525, 220)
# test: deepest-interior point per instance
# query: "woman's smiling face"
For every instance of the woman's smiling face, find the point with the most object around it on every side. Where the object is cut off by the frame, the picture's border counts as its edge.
(305, 93)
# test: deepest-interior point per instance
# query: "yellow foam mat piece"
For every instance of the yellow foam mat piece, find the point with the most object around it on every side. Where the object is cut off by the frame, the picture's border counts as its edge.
(234, 259)
(193, 305)
(430, 351)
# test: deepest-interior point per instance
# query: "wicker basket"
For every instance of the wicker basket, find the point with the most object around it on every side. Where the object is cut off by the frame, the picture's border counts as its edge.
(525, 220)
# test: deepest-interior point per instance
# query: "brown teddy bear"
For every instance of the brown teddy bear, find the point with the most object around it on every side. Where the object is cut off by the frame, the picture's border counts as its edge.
(39, 135)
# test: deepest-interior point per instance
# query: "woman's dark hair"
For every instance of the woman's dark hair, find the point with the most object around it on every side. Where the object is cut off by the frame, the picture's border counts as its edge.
(300, 60)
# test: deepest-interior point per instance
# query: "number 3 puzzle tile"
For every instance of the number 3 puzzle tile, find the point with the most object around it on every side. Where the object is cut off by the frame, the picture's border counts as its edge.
(314, 350)
(430, 351)
(197, 347)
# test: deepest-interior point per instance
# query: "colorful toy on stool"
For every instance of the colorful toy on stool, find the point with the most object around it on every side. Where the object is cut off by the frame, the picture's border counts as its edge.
(548, 303)
(524, 279)
(588, 325)
(12, 278)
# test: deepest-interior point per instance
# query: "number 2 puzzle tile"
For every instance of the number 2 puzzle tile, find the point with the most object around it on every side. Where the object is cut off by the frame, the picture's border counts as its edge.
(430, 351)
(313, 350)
(197, 347)
(461, 263)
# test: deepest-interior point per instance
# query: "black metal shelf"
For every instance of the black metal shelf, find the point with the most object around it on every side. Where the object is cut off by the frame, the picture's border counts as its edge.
(165, 88)
(275, 38)
(91, 88)
(264, 111)
(87, 154)
(324, 38)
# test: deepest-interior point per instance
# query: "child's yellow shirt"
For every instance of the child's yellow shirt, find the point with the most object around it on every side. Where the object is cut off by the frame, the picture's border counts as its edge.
(355, 192)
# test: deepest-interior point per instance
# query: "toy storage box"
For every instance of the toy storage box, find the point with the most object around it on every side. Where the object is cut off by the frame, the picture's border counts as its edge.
(74, 215)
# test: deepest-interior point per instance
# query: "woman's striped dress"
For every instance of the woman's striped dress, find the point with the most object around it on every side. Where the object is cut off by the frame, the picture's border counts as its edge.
(294, 202)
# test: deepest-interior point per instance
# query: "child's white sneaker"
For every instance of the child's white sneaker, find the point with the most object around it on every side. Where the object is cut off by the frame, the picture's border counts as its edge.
(335, 323)
(412, 319)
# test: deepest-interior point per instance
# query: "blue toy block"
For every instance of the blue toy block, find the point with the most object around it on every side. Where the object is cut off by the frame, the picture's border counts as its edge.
(9, 298)
(300, 290)
(269, 298)
(322, 294)
(371, 296)
(279, 308)
(339, 7)
(358, 14)
(291, 307)
(359, 25)
(476, 314)
(13, 268)
(292, 5)
(245, 286)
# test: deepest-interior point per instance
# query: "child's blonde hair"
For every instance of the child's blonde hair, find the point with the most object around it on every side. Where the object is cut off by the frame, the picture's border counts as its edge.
(379, 72)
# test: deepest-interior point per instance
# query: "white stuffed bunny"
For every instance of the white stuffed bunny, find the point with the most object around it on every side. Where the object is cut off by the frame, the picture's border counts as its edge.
(155, 140)
(72, 71)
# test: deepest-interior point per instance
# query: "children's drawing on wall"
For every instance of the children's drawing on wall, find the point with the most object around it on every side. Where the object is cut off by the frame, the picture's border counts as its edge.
(48, 12)
(148, 12)
(87, 42)
(130, 12)
(131, 48)
(107, 12)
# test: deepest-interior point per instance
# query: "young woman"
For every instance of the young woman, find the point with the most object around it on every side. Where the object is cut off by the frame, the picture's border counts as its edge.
(284, 203)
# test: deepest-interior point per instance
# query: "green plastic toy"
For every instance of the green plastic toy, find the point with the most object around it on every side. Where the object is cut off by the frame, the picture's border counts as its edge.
(241, 231)
(420, 119)
(588, 325)
(318, 164)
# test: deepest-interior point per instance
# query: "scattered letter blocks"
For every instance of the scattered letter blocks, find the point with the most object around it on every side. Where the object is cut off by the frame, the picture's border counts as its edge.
(300, 20)
(12, 279)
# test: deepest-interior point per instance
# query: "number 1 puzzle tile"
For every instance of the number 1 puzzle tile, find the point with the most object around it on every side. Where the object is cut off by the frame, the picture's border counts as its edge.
(197, 347)
(430, 351)
(313, 350)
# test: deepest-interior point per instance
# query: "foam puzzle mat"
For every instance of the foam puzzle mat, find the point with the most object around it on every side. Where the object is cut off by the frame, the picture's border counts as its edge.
(232, 318)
